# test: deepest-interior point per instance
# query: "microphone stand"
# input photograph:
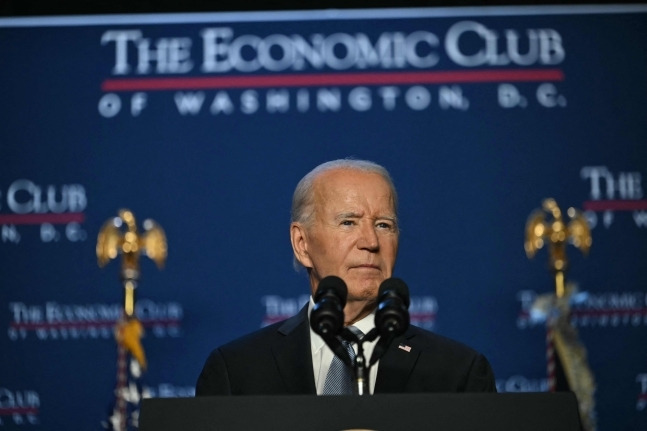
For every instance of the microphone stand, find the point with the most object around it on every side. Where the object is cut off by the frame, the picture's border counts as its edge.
(361, 384)
(360, 366)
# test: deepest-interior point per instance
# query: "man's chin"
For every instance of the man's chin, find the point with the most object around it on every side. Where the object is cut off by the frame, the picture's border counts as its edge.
(364, 292)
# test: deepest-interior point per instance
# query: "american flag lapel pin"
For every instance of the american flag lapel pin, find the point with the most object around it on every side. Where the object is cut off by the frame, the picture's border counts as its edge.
(404, 347)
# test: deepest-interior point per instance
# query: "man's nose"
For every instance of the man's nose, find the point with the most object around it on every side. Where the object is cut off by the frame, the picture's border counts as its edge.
(368, 238)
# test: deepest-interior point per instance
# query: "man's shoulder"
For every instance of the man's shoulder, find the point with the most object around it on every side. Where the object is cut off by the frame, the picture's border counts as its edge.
(445, 364)
(266, 335)
(433, 342)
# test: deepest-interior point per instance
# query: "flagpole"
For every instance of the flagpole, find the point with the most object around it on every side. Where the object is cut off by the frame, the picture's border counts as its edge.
(119, 236)
(562, 344)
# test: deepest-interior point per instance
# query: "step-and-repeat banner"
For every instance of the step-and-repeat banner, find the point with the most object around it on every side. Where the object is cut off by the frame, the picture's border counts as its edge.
(205, 123)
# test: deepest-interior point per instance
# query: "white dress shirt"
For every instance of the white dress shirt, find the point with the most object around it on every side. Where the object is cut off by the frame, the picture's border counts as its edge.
(322, 355)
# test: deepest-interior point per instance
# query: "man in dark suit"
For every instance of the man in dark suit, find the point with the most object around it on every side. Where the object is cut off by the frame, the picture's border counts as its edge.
(344, 223)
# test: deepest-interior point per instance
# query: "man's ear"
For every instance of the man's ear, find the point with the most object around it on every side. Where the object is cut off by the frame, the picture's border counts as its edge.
(299, 239)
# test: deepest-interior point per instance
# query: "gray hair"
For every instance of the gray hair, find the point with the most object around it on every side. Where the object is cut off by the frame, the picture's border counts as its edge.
(303, 198)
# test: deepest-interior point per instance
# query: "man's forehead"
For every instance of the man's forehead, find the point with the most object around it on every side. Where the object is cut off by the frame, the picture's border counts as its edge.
(348, 177)
(351, 185)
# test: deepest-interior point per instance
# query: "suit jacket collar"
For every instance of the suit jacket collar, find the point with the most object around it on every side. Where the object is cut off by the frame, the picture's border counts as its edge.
(293, 354)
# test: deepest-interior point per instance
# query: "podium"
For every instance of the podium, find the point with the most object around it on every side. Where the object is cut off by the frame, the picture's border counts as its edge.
(384, 412)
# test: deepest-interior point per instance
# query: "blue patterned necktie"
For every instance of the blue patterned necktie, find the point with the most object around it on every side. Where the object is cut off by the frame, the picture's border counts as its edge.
(339, 380)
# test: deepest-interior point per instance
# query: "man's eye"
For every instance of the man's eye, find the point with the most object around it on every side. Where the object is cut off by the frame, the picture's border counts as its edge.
(347, 223)
(384, 225)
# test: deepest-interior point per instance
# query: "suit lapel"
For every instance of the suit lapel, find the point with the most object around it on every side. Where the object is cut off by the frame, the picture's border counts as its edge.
(396, 365)
(293, 355)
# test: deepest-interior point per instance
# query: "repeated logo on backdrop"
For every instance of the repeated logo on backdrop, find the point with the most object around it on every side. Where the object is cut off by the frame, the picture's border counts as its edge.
(55, 210)
(422, 309)
(600, 309)
(612, 193)
(520, 383)
(217, 71)
(56, 321)
(641, 402)
(19, 407)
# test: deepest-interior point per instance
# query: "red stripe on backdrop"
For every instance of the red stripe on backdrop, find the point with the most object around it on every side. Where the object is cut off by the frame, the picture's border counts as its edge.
(617, 205)
(299, 80)
(61, 218)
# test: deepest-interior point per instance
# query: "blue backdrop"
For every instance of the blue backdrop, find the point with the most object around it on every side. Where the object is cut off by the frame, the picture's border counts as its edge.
(205, 123)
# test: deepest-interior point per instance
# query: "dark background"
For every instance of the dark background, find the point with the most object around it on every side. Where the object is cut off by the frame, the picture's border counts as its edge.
(33, 8)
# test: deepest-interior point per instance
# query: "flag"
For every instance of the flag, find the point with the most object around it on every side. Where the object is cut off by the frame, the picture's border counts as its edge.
(566, 356)
(123, 411)
(404, 347)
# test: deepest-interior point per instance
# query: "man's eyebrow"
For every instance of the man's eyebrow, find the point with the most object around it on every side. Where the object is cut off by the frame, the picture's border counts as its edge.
(392, 218)
(347, 215)
(351, 214)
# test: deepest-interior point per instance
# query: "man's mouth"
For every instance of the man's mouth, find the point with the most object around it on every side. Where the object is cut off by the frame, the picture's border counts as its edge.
(366, 266)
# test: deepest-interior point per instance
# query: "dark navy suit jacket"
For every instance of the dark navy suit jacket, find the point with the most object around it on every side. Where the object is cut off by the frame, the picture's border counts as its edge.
(277, 359)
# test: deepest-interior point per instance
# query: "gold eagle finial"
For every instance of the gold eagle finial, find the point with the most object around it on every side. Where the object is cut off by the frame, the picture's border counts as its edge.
(119, 235)
(557, 233)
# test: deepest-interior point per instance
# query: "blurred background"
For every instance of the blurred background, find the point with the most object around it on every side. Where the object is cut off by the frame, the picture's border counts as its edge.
(203, 117)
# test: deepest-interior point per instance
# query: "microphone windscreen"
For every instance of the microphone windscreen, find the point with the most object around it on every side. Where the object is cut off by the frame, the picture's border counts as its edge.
(332, 285)
(395, 286)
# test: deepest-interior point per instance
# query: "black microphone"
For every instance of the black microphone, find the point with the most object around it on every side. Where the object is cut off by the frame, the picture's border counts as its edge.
(327, 316)
(392, 314)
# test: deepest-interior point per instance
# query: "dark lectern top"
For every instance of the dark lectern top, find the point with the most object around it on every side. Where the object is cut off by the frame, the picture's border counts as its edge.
(383, 412)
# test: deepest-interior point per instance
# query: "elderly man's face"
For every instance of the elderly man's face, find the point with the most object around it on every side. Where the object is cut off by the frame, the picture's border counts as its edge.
(354, 234)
